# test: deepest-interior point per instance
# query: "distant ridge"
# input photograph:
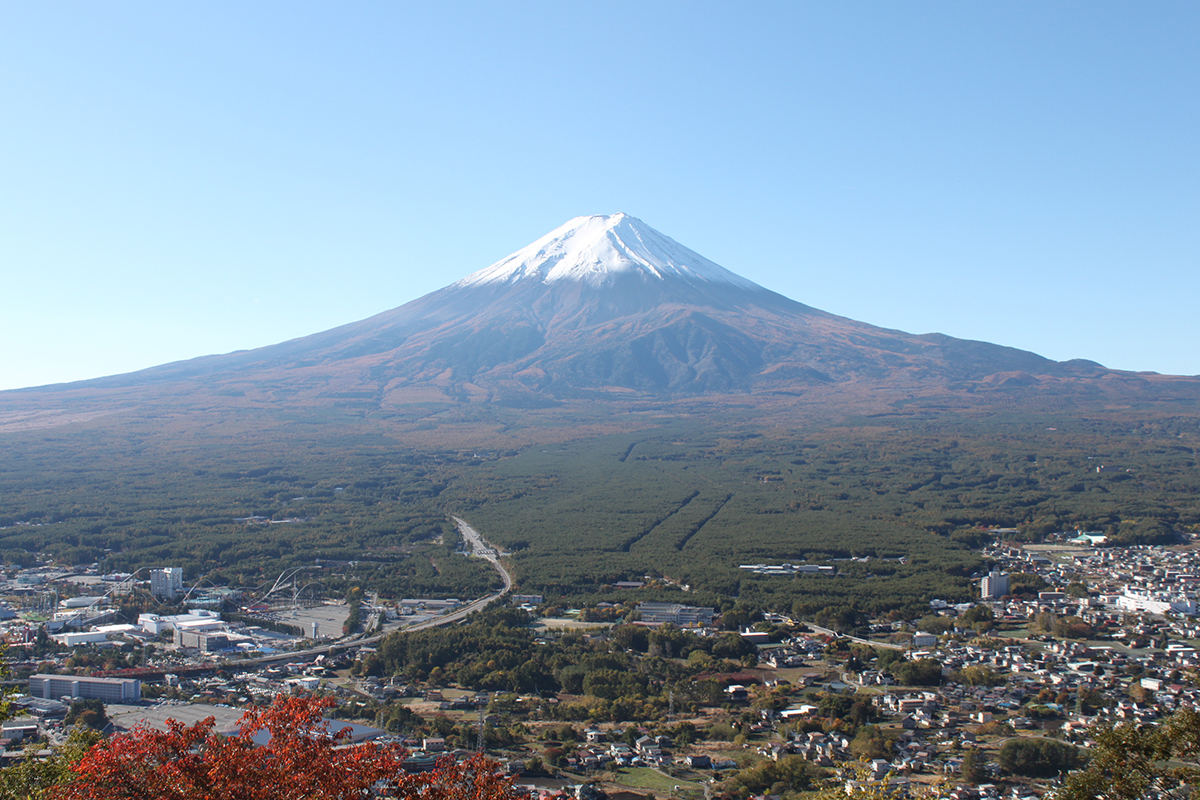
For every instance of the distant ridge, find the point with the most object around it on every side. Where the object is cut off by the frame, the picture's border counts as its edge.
(608, 308)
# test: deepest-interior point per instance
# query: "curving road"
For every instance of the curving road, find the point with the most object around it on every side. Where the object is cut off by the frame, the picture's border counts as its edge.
(479, 548)
(836, 635)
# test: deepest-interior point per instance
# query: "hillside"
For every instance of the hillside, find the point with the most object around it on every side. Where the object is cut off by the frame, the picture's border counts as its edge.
(608, 405)
(604, 309)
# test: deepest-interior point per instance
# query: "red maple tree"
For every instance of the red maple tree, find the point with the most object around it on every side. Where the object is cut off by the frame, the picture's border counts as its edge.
(302, 760)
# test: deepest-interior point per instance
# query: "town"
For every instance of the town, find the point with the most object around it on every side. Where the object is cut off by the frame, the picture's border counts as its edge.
(997, 697)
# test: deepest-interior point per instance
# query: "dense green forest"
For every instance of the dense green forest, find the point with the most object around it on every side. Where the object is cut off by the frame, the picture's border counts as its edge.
(906, 499)
(899, 504)
(497, 651)
(239, 513)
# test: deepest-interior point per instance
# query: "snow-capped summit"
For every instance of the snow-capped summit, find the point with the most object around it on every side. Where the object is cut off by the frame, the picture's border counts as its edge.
(596, 249)
(605, 305)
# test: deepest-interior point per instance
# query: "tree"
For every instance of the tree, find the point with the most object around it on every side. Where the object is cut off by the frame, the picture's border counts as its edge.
(935, 624)
(978, 613)
(302, 759)
(974, 767)
(1131, 761)
(33, 775)
(6, 693)
(89, 712)
(870, 742)
(1039, 758)
(835, 706)
(978, 675)
(923, 672)
(789, 773)
(1026, 583)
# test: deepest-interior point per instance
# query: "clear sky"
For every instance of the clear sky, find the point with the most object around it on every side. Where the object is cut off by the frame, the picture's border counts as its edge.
(179, 179)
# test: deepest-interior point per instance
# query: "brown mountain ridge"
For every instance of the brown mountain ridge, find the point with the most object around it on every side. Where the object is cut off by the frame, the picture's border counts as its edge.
(606, 308)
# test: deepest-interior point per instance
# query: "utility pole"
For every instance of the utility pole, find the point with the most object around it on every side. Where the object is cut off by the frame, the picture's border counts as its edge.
(479, 736)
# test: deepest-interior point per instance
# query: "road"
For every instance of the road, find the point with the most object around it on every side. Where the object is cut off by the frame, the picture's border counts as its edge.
(480, 548)
(484, 550)
(836, 635)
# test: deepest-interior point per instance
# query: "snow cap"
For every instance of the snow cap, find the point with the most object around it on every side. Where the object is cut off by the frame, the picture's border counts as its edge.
(595, 249)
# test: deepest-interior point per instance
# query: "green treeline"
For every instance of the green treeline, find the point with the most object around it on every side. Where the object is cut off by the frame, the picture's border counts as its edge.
(633, 666)
(897, 504)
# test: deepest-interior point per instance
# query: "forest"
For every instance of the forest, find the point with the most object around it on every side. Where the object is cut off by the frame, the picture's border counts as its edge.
(899, 505)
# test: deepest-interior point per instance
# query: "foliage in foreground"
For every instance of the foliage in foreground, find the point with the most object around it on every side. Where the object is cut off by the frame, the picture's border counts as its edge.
(32, 776)
(301, 760)
(1134, 761)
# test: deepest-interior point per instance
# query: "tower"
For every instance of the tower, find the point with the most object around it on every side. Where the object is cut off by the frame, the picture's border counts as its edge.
(166, 584)
(994, 586)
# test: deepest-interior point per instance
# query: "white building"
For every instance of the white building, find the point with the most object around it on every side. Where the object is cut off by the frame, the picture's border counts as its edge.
(79, 618)
(675, 613)
(166, 584)
(83, 602)
(94, 636)
(1156, 603)
(924, 640)
(994, 586)
(197, 619)
(80, 637)
(110, 690)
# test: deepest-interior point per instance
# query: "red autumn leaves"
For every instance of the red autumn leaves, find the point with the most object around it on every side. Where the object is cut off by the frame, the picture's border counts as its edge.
(304, 759)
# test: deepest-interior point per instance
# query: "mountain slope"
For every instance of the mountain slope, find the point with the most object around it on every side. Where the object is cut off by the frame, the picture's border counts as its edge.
(604, 305)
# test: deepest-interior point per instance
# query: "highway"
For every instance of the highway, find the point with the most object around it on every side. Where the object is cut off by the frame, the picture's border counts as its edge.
(836, 635)
(480, 548)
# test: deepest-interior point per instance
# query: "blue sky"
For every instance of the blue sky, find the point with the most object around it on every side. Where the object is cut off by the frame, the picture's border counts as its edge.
(185, 179)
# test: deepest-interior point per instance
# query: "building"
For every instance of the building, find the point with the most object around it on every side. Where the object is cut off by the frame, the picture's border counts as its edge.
(78, 618)
(737, 692)
(95, 636)
(676, 614)
(83, 602)
(195, 620)
(430, 605)
(1156, 603)
(994, 586)
(166, 584)
(110, 690)
(18, 730)
(204, 642)
(40, 707)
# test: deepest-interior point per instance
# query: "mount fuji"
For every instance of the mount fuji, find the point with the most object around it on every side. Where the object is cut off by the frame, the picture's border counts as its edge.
(608, 307)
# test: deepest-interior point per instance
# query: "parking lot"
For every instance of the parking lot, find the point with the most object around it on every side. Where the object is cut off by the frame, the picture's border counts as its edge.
(328, 618)
(127, 716)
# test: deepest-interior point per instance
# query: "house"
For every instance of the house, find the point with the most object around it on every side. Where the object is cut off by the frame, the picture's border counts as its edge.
(648, 747)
